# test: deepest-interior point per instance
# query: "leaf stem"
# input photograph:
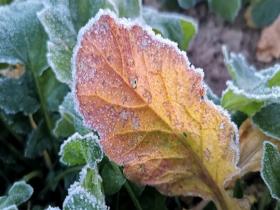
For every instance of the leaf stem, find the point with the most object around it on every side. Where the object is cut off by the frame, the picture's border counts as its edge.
(32, 122)
(42, 102)
(47, 160)
(32, 175)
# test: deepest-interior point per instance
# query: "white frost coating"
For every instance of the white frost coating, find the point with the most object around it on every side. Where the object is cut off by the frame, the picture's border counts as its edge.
(97, 178)
(270, 72)
(56, 71)
(62, 108)
(83, 172)
(242, 58)
(76, 136)
(122, 22)
(56, 37)
(261, 91)
(76, 190)
(264, 74)
(28, 190)
(269, 93)
(262, 168)
(10, 60)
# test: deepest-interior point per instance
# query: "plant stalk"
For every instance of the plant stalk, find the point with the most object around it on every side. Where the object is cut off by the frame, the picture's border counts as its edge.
(32, 175)
(42, 102)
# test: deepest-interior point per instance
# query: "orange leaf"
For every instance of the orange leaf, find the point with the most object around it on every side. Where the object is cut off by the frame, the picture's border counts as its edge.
(149, 106)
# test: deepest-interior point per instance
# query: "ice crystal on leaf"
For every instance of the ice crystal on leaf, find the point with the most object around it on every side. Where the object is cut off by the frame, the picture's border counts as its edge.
(19, 193)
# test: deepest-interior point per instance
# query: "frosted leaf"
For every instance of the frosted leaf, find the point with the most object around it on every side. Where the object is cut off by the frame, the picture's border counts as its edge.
(70, 121)
(267, 119)
(178, 28)
(80, 199)
(87, 193)
(18, 24)
(92, 182)
(249, 89)
(270, 168)
(79, 150)
(19, 193)
(62, 21)
(166, 123)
